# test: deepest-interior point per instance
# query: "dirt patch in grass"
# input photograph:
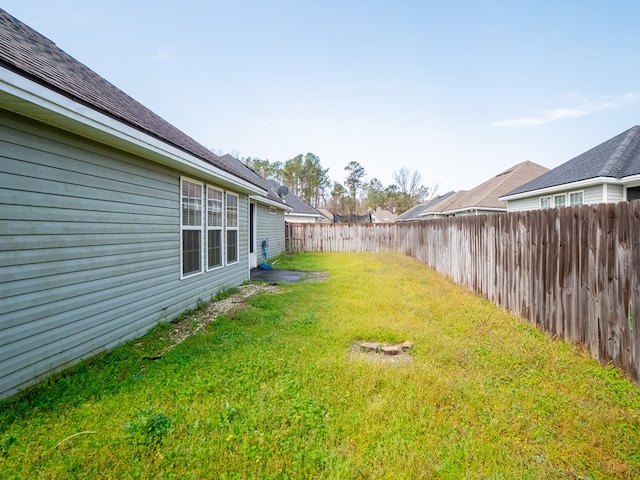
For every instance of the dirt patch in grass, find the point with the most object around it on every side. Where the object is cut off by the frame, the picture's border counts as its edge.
(191, 324)
(378, 352)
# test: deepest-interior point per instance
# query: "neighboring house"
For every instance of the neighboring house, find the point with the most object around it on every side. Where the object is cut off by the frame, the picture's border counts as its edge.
(608, 173)
(111, 219)
(440, 208)
(380, 215)
(266, 217)
(327, 216)
(414, 212)
(302, 212)
(485, 198)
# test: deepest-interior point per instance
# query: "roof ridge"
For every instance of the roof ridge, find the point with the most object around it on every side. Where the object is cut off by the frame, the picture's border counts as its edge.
(618, 154)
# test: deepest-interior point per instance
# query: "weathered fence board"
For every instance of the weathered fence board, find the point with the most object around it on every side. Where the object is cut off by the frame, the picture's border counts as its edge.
(573, 272)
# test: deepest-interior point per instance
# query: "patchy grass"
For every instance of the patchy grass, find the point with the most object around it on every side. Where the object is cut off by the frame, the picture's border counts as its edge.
(272, 392)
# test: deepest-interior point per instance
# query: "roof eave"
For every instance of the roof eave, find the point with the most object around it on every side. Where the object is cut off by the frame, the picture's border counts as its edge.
(315, 215)
(589, 182)
(271, 203)
(474, 209)
(33, 100)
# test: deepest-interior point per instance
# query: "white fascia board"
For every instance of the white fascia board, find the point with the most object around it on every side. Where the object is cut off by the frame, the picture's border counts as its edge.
(630, 179)
(473, 209)
(271, 203)
(33, 100)
(310, 215)
(565, 186)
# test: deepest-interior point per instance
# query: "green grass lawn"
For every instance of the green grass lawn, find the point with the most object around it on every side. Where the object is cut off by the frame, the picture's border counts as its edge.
(275, 391)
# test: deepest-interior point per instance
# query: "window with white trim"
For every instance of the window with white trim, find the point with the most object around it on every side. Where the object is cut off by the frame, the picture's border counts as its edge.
(191, 226)
(232, 228)
(545, 202)
(576, 198)
(215, 213)
(560, 200)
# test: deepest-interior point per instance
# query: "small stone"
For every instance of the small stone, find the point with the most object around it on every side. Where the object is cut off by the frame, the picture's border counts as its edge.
(370, 347)
(392, 350)
(408, 345)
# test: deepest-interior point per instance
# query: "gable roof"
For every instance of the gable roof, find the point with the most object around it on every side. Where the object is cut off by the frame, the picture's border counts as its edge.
(384, 215)
(486, 196)
(617, 158)
(414, 212)
(442, 206)
(33, 56)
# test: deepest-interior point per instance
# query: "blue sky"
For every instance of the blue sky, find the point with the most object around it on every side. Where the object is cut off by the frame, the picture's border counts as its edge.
(458, 90)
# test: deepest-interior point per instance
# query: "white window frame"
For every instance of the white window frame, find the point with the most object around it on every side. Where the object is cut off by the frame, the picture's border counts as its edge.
(229, 226)
(219, 228)
(563, 195)
(199, 228)
(548, 202)
(571, 204)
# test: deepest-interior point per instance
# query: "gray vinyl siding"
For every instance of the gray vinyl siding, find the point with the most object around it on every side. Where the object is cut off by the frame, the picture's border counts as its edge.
(271, 228)
(89, 250)
(522, 204)
(615, 193)
(591, 194)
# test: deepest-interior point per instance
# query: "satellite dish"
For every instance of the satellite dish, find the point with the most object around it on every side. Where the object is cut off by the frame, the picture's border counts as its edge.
(282, 191)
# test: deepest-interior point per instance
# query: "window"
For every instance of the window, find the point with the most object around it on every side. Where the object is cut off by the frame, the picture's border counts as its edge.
(232, 228)
(545, 202)
(215, 211)
(191, 227)
(272, 210)
(633, 193)
(559, 201)
(576, 198)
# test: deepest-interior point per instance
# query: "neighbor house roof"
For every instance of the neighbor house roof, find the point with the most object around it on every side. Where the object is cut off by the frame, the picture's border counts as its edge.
(486, 196)
(384, 215)
(414, 212)
(33, 56)
(442, 205)
(617, 158)
(326, 214)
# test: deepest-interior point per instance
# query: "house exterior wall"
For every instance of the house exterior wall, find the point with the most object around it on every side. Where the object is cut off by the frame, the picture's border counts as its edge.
(615, 193)
(270, 227)
(591, 195)
(89, 250)
(522, 204)
(293, 218)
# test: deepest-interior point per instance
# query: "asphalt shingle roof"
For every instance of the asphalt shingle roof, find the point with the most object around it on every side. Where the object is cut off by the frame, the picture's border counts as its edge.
(487, 194)
(617, 157)
(414, 212)
(31, 55)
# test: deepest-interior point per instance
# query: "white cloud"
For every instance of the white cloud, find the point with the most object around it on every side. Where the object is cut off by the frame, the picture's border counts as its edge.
(587, 107)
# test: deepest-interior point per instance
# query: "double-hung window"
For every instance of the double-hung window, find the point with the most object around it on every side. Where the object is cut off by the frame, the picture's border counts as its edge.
(545, 202)
(215, 214)
(560, 200)
(191, 226)
(576, 198)
(232, 228)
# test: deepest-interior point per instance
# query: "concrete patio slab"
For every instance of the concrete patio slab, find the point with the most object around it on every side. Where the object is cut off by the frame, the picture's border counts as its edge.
(283, 276)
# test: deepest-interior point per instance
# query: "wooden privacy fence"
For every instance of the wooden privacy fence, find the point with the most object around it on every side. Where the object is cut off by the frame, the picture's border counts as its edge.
(573, 272)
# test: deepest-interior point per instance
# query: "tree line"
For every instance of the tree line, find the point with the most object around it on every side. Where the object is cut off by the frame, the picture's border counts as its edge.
(305, 177)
